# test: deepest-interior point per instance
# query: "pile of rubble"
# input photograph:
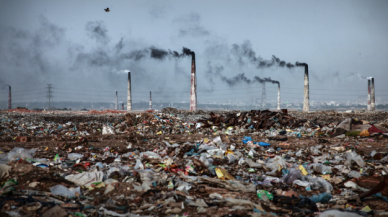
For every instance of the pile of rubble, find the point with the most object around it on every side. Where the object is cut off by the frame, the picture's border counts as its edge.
(256, 163)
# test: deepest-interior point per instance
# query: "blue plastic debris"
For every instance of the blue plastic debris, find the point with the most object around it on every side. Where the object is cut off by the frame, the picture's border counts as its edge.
(264, 144)
(322, 197)
(246, 139)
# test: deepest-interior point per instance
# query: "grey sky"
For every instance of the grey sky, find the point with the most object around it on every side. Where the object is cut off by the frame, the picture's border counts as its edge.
(75, 45)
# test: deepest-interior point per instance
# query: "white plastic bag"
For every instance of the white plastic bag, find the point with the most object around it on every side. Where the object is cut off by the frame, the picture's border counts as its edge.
(273, 164)
(74, 156)
(63, 191)
(352, 157)
(107, 130)
(139, 165)
(20, 153)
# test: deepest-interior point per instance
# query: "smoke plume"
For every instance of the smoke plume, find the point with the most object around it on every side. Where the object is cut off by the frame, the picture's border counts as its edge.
(241, 78)
(245, 52)
(357, 76)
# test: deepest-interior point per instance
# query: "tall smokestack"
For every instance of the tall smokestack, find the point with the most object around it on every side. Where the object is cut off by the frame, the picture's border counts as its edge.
(122, 106)
(116, 107)
(306, 97)
(193, 92)
(279, 96)
(150, 101)
(369, 107)
(129, 94)
(263, 96)
(373, 103)
(9, 98)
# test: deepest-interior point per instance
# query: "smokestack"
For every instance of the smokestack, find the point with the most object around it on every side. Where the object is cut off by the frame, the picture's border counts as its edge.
(368, 107)
(306, 97)
(150, 101)
(279, 96)
(116, 106)
(129, 94)
(122, 106)
(263, 96)
(193, 92)
(372, 103)
(9, 98)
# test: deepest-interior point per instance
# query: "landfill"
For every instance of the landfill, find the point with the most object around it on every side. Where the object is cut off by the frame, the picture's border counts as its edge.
(203, 163)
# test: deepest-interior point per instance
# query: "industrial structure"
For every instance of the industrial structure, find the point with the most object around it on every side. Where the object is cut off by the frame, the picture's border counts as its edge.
(9, 98)
(278, 96)
(150, 102)
(193, 91)
(117, 105)
(263, 96)
(371, 94)
(306, 96)
(129, 94)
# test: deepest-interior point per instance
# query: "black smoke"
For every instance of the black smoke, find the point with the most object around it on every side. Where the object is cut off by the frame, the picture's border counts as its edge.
(245, 52)
(236, 79)
(97, 30)
(161, 54)
(241, 78)
(265, 80)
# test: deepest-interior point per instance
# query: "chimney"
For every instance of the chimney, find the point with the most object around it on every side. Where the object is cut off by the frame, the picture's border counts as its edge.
(369, 107)
(306, 97)
(263, 96)
(372, 101)
(193, 92)
(122, 106)
(150, 101)
(278, 95)
(129, 94)
(9, 98)
(117, 105)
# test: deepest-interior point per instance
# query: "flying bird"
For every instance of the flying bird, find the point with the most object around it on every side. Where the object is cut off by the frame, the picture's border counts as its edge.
(107, 10)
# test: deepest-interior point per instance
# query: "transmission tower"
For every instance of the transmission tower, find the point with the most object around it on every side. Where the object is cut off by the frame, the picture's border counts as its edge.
(49, 100)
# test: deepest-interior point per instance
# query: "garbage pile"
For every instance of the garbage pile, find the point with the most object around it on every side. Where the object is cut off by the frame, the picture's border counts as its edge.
(254, 119)
(257, 163)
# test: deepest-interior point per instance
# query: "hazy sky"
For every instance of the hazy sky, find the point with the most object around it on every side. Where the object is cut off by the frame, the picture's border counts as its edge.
(83, 51)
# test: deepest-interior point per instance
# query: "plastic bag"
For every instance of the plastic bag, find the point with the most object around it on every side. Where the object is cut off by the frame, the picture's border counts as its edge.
(231, 157)
(139, 165)
(204, 160)
(314, 151)
(318, 183)
(86, 178)
(354, 174)
(20, 153)
(321, 198)
(252, 164)
(63, 191)
(246, 139)
(149, 154)
(319, 168)
(4, 170)
(74, 156)
(107, 130)
(274, 164)
(321, 159)
(250, 154)
(264, 144)
(338, 213)
(291, 176)
(352, 157)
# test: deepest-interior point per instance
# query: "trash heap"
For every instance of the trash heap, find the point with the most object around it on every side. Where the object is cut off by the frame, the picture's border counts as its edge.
(257, 163)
